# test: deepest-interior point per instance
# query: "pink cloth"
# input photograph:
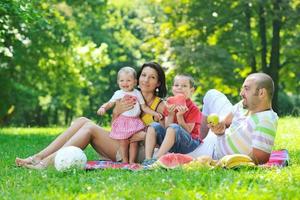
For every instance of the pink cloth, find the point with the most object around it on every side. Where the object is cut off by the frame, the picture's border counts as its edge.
(278, 158)
(124, 127)
(108, 164)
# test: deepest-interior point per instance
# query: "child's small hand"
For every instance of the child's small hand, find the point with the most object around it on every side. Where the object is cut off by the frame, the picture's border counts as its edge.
(181, 110)
(171, 108)
(101, 111)
(158, 116)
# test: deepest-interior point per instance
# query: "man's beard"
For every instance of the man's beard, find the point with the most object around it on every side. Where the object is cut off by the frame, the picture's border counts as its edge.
(245, 106)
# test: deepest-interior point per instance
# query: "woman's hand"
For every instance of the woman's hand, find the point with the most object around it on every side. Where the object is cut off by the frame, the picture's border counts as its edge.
(158, 116)
(218, 129)
(123, 105)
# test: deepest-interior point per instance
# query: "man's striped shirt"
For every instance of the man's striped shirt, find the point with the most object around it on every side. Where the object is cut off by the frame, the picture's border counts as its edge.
(247, 132)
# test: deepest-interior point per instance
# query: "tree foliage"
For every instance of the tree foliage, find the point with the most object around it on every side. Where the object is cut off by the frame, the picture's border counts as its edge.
(59, 59)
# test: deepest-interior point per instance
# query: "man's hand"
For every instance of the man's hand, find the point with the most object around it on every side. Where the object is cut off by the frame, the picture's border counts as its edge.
(218, 129)
(259, 156)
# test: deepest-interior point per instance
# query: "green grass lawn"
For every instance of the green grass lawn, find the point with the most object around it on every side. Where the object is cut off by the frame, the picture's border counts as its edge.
(19, 183)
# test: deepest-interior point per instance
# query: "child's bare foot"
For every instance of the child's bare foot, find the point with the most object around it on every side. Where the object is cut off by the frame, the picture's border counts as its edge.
(31, 160)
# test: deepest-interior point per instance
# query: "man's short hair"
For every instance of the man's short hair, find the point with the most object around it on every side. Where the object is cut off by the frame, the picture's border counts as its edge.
(263, 80)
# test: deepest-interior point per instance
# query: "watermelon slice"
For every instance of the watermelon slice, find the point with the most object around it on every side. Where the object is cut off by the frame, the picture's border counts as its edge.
(178, 99)
(127, 96)
(173, 160)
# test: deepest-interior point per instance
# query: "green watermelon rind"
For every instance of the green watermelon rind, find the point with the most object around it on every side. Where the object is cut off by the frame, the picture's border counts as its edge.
(173, 160)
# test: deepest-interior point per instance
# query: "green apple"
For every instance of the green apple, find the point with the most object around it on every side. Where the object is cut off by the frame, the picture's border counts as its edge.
(213, 119)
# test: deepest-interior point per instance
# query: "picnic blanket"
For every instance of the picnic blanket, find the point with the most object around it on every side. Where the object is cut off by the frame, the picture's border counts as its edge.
(108, 164)
(278, 158)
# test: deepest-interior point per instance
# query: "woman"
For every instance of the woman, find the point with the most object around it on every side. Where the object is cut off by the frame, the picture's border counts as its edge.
(151, 81)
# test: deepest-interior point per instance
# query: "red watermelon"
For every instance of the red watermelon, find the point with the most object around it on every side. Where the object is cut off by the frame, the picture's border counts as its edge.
(173, 160)
(178, 99)
(129, 97)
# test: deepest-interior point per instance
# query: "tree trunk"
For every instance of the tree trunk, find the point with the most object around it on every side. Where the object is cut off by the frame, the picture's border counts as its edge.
(38, 116)
(55, 116)
(263, 37)
(275, 51)
(251, 52)
(68, 116)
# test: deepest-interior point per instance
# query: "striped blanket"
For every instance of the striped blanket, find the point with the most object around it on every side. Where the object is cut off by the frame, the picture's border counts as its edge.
(278, 158)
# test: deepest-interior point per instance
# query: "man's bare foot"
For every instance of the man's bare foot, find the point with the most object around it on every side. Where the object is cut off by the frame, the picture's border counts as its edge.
(31, 160)
(39, 166)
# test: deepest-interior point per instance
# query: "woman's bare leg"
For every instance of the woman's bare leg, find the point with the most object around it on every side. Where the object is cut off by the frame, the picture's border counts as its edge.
(140, 136)
(89, 133)
(98, 137)
(133, 151)
(56, 144)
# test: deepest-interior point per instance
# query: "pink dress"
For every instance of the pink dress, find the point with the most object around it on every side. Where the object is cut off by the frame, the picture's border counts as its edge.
(129, 122)
(124, 127)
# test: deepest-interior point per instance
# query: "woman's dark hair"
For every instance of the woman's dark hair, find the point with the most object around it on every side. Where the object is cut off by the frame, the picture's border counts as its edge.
(162, 90)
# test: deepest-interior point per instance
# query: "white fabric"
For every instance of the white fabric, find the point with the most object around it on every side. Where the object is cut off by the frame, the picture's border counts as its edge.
(136, 110)
(216, 102)
(213, 102)
(205, 148)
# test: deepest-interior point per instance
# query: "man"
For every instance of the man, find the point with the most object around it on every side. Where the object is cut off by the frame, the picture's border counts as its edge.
(248, 127)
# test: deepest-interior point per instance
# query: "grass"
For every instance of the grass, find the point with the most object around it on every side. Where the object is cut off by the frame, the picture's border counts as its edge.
(19, 183)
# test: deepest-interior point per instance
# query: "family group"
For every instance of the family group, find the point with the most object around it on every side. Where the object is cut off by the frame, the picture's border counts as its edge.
(145, 126)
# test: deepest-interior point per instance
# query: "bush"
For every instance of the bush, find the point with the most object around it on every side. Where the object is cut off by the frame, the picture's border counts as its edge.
(288, 104)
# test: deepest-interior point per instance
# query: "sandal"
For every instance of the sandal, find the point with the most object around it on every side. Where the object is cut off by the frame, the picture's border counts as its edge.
(148, 162)
(41, 165)
(30, 160)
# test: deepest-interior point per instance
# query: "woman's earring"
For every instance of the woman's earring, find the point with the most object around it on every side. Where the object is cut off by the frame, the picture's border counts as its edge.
(157, 90)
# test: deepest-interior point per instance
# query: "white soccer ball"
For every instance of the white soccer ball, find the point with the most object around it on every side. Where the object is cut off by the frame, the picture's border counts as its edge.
(69, 158)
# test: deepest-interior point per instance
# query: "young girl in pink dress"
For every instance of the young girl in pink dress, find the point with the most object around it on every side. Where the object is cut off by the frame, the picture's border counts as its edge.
(129, 122)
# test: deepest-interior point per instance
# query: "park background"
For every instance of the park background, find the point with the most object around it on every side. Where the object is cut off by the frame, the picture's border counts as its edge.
(59, 59)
